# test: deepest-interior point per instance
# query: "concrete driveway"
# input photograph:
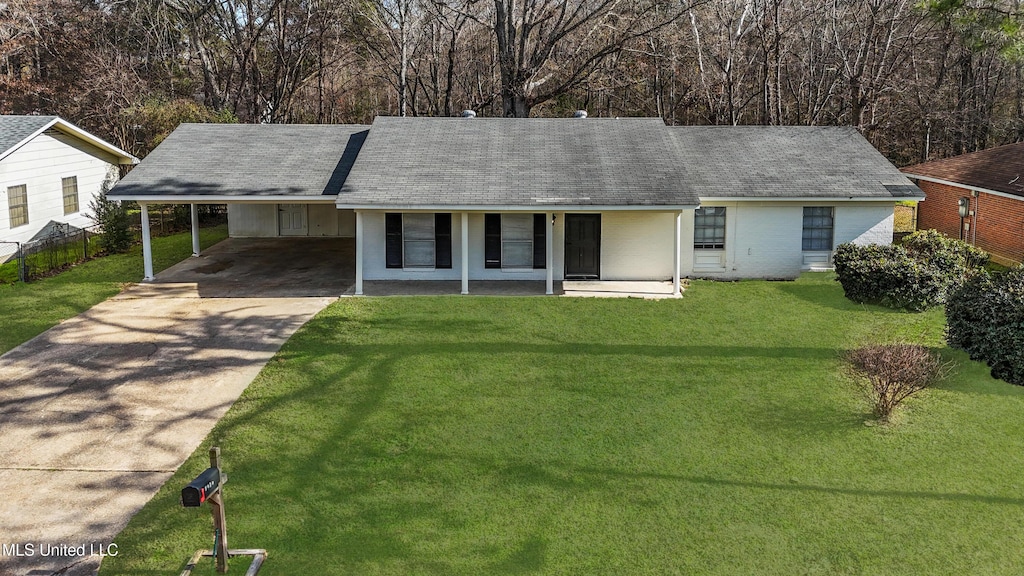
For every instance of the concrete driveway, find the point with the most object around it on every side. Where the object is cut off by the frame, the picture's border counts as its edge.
(99, 411)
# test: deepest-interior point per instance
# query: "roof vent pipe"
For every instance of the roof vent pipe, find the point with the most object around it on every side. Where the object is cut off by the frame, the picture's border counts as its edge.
(580, 114)
(468, 114)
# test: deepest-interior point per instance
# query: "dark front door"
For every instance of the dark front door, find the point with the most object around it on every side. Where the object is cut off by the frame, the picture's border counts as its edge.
(582, 245)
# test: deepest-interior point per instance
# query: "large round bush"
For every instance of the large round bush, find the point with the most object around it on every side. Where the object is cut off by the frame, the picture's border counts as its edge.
(913, 276)
(985, 318)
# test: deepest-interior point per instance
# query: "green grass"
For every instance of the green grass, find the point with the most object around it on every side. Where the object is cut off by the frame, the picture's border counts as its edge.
(714, 434)
(30, 309)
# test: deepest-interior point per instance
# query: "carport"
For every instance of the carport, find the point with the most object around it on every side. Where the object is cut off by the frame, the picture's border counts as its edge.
(268, 268)
(262, 173)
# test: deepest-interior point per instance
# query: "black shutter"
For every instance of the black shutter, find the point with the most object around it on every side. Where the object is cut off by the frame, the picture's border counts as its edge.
(443, 240)
(540, 246)
(393, 240)
(492, 240)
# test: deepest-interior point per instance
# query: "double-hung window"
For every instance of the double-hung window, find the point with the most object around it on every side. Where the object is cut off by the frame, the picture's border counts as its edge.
(818, 227)
(418, 241)
(709, 228)
(70, 189)
(514, 241)
(17, 205)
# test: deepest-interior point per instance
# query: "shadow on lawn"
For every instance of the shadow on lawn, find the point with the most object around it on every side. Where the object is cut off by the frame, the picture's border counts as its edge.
(922, 495)
(560, 476)
(830, 295)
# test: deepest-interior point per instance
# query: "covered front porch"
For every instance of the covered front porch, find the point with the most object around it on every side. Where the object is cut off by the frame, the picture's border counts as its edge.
(471, 246)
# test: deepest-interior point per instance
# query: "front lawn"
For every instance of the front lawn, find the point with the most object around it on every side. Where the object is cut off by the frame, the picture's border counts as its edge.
(29, 309)
(708, 435)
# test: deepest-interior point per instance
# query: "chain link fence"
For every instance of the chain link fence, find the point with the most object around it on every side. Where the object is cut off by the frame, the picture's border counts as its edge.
(59, 246)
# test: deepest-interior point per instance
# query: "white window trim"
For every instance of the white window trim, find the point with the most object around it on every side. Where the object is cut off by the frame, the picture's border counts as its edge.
(406, 240)
(802, 228)
(10, 217)
(63, 196)
(725, 230)
(504, 229)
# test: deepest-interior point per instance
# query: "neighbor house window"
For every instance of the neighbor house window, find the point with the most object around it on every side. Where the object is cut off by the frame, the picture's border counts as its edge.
(70, 187)
(17, 205)
(818, 225)
(709, 228)
(416, 240)
(514, 241)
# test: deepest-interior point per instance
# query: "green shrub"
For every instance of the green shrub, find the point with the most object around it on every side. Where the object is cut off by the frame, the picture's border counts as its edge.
(112, 217)
(985, 318)
(951, 256)
(916, 275)
(887, 275)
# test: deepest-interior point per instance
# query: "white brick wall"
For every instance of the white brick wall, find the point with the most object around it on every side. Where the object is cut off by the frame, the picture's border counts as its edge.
(864, 223)
(763, 239)
(40, 165)
(638, 245)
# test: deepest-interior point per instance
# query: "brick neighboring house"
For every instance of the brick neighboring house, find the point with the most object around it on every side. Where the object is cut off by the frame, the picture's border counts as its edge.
(993, 182)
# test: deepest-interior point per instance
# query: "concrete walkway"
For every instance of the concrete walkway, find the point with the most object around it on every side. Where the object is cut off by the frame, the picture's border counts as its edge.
(99, 411)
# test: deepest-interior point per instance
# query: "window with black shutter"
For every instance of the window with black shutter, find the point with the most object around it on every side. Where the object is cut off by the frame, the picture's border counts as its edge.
(443, 240)
(539, 240)
(393, 241)
(418, 240)
(515, 241)
(492, 240)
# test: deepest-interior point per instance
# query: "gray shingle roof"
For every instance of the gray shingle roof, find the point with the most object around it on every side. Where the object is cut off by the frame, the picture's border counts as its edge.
(827, 162)
(14, 129)
(518, 162)
(533, 162)
(247, 160)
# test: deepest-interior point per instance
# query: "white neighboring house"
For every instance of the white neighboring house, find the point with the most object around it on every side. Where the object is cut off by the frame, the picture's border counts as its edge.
(50, 170)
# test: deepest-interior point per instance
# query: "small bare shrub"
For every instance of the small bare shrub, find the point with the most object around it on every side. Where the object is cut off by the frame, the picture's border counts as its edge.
(895, 372)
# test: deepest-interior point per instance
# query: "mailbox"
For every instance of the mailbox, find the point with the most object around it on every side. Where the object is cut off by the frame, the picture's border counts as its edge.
(204, 486)
(965, 206)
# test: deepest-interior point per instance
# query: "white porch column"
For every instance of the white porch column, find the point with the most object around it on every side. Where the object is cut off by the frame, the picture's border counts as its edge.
(359, 253)
(147, 245)
(465, 252)
(677, 251)
(549, 251)
(195, 230)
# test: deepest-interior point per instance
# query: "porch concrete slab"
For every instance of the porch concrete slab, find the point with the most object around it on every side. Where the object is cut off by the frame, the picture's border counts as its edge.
(575, 288)
(97, 412)
(618, 289)
(447, 287)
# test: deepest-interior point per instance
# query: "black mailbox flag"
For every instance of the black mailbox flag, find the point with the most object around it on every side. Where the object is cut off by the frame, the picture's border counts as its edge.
(201, 488)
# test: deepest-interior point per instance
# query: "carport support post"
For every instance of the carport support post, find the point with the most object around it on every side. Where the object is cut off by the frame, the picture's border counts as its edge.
(677, 252)
(147, 245)
(465, 252)
(195, 230)
(549, 252)
(359, 253)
